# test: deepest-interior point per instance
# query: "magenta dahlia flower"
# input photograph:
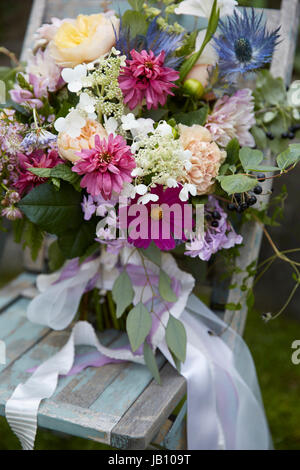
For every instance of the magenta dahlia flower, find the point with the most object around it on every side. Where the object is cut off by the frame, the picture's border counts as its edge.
(105, 167)
(163, 222)
(38, 159)
(145, 77)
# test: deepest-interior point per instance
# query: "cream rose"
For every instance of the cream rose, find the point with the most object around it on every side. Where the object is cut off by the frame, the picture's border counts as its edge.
(69, 147)
(206, 156)
(83, 40)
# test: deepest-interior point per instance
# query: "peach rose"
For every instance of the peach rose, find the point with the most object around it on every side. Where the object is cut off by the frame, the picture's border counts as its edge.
(69, 147)
(206, 156)
(83, 40)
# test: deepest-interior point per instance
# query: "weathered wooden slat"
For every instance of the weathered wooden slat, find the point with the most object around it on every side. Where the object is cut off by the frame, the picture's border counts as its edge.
(14, 289)
(144, 418)
(282, 66)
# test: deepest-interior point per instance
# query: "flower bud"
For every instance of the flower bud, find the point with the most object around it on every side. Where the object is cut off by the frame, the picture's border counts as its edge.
(193, 88)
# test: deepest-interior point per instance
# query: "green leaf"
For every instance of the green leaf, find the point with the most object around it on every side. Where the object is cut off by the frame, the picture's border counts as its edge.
(151, 362)
(211, 29)
(135, 22)
(41, 172)
(289, 157)
(176, 338)
(136, 4)
(260, 137)
(270, 89)
(122, 293)
(65, 173)
(194, 117)
(165, 287)
(56, 257)
(53, 211)
(33, 239)
(237, 183)
(232, 151)
(250, 158)
(153, 253)
(138, 325)
(265, 168)
(74, 243)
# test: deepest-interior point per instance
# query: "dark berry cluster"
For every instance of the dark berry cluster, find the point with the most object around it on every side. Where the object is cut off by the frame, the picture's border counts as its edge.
(242, 201)
(213, 218)
(290, 134)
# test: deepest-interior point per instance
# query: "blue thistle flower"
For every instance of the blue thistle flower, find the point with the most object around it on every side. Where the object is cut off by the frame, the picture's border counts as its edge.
(155, 40)
(244, 44)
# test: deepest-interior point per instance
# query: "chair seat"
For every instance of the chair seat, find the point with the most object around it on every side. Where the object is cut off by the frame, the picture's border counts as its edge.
(117, 404)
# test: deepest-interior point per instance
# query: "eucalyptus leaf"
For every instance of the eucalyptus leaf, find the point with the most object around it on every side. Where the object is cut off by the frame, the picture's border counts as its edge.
(122, 293)
(165, 287)
(153, 253)
(151, 362)
(176, 338)
(138, 325)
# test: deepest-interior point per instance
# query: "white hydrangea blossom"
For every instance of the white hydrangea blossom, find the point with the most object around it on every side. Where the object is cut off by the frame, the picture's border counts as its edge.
(138, 127)
(71, 124)
(74, 77)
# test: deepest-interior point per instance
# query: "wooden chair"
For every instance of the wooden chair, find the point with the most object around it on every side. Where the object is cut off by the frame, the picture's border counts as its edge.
(118, 404)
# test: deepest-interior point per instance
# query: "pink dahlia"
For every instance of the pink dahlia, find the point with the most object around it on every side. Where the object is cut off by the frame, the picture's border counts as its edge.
(164, 222)
(146, 77)
(233, 117)
(38, 159)
(105, 167)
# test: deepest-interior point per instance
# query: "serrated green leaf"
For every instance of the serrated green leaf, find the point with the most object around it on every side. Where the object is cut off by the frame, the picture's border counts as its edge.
(237, 183)
(138, 325)
(193, 117)
(65, 173)
(54, 211)
(136, 4)
(151, 362)
(41, 172)
(289, 157)
(165, 287)
(176, 338)
(122, 293)
(250, 158)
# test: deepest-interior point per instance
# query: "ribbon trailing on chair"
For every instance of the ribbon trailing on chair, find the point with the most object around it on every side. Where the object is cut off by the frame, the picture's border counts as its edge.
(225, 409)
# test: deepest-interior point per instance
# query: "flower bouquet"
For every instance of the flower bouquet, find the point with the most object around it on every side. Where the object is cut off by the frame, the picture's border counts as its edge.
(133, 141)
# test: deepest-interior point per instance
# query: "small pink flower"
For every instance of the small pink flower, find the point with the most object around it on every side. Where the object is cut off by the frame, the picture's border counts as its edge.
(20, 96)
(145, 77)
(37, 159)
(105, 167)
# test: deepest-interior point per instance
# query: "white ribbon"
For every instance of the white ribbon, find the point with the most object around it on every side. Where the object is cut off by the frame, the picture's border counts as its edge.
(224, 404)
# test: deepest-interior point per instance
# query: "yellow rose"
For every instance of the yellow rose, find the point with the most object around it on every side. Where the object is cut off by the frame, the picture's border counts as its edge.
(83, 40)
(69, 147)
(206, 156)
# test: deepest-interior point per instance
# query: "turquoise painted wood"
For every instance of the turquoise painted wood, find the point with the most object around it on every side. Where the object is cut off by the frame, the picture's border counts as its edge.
(92, 403)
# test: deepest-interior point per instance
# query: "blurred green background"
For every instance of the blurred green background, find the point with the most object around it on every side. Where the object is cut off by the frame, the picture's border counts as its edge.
(269, 343)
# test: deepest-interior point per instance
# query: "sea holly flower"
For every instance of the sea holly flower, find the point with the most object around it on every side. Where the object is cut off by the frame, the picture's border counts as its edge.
(244, 44)
(39, 138)
(233, 117)
(146, 77)
(105, 167)
(203, 8)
